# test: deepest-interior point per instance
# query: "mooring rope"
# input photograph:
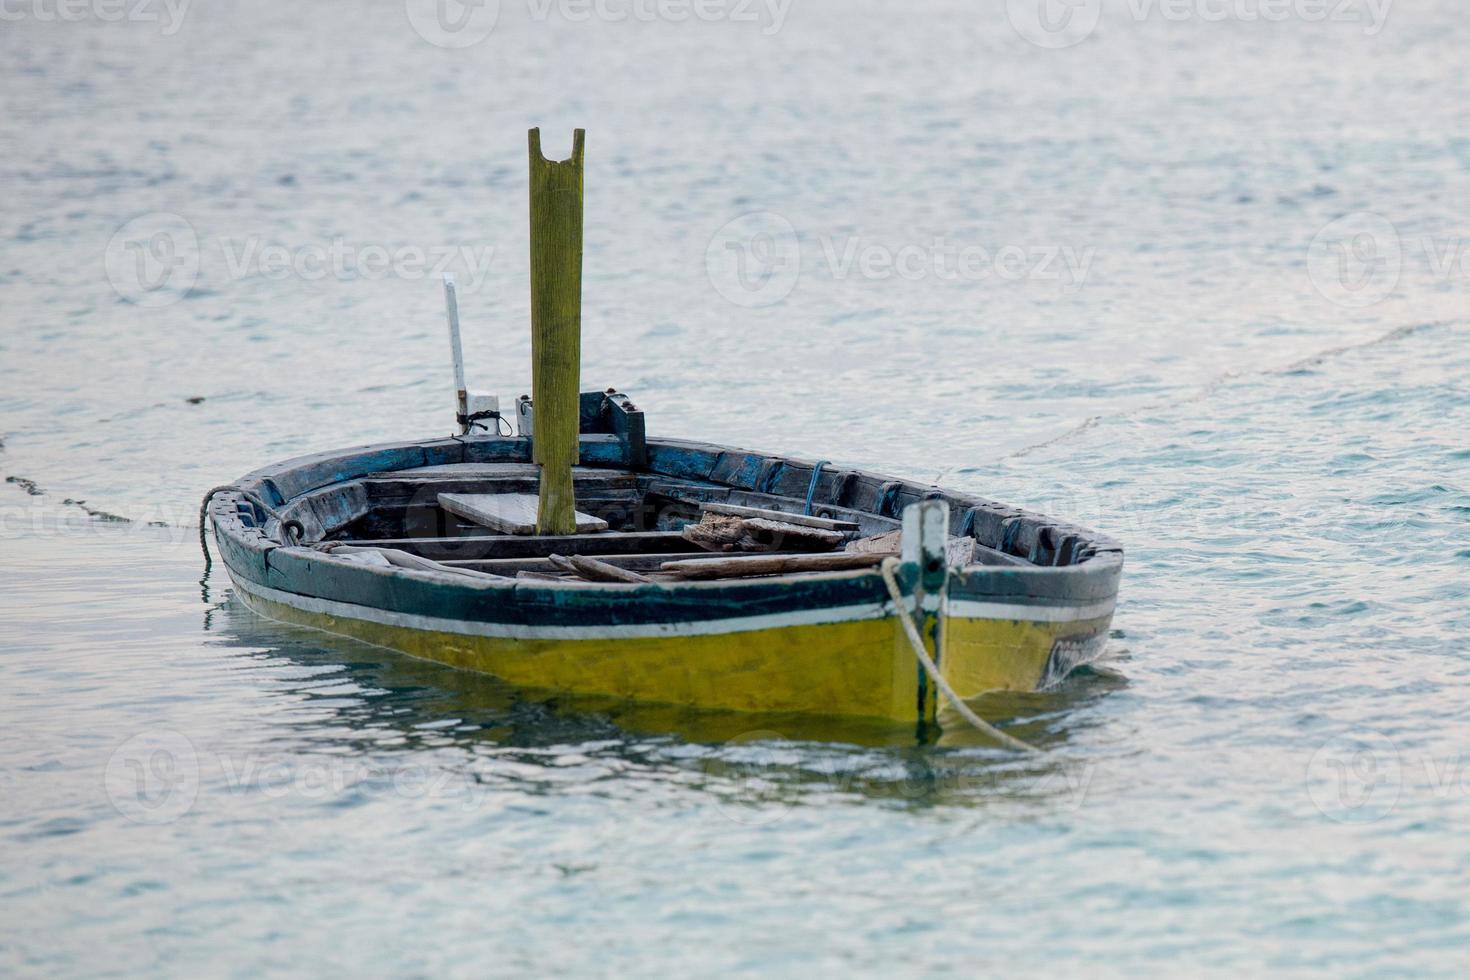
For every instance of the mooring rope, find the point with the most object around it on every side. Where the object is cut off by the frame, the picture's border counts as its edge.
(811, 490)
(888, 568)
(287, 524)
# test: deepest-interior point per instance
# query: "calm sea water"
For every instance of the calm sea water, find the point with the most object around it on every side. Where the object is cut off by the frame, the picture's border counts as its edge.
(1197, 281)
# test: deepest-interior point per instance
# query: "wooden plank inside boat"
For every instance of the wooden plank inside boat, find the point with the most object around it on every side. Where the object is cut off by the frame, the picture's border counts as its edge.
(597, 571)
(511, 513)
(746, 565)
(480, 547)
(824, 523)
(718, 532)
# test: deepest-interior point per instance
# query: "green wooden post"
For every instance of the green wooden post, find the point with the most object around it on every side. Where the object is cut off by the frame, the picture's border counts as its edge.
(556, 329)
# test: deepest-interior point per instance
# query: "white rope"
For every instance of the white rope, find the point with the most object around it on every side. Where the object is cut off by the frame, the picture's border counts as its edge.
(930, 667)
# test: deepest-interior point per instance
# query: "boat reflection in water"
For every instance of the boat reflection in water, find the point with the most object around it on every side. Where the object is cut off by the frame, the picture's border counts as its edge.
(351, 697)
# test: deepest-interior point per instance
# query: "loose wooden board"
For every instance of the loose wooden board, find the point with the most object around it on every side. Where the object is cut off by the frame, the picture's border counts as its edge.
(825, 523)
(745, 565)
(958, 552)
(510, 513)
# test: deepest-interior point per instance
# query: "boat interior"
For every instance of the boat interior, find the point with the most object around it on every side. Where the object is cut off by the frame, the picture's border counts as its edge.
(646, 524)
(646, 510)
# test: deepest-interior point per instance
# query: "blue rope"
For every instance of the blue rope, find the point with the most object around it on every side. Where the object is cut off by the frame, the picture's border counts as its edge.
(811, 491)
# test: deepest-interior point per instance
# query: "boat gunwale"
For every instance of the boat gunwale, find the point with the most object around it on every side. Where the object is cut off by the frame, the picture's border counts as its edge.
(1093, 578)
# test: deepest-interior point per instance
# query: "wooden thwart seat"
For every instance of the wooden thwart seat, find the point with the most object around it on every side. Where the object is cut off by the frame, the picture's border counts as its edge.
(510, 513)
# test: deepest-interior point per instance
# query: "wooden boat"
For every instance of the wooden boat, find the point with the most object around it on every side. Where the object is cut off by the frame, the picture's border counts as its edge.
(694, 575)
(1035, 600)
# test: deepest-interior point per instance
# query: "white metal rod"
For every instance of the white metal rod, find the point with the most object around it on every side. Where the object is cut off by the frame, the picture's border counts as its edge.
(451, 303)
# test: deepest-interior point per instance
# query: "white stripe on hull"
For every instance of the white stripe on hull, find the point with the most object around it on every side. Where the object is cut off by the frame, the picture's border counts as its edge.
(979, 609)
(963, 609)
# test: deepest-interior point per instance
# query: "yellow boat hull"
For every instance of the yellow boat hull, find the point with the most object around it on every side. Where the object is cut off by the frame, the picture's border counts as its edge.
(858, 667)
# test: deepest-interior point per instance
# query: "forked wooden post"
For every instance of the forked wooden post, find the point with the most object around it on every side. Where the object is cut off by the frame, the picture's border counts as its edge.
(556, 329)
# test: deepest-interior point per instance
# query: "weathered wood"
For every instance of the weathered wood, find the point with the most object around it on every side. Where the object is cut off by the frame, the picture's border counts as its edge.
(525, 575)
(958, 552)
(785, 536)
(490, 546)
(825, 523)
(990, 556)
(556, 328)
(719, 532)
(715, 532)
(693, 496)
(745, 565)
(628, 426)
(613, 414)
(397, 558)
(510, 566)
(887, 543)
(491, 478)
(601, 571)
(562, 564)
(513, 513)
(594, 570)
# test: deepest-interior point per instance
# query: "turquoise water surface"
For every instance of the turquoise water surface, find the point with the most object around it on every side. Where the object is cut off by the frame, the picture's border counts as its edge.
(1198, 282)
